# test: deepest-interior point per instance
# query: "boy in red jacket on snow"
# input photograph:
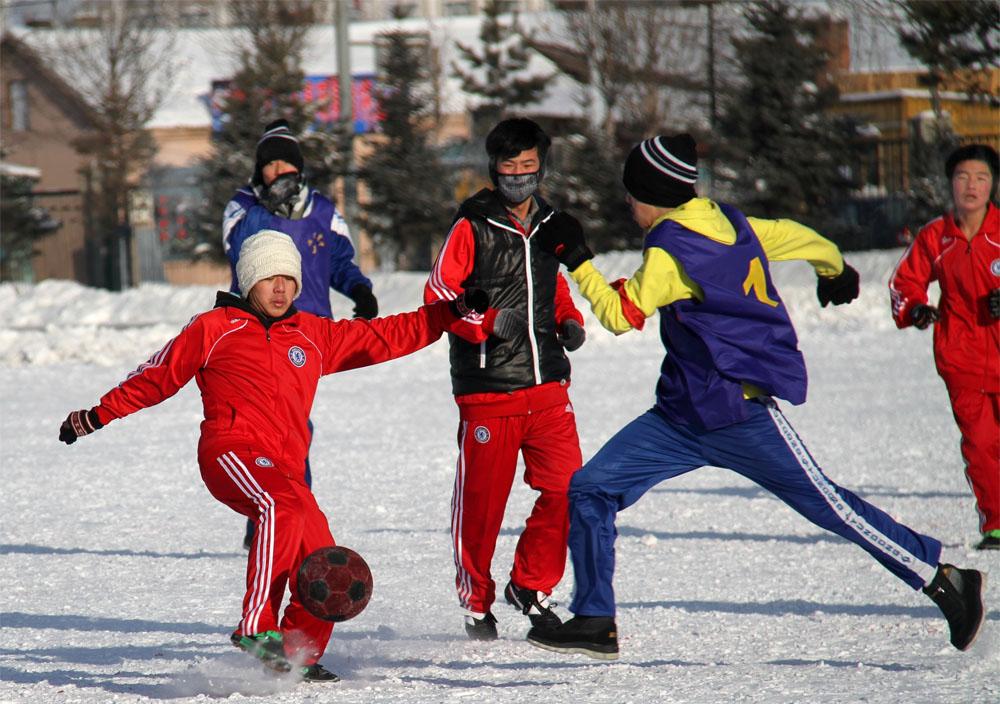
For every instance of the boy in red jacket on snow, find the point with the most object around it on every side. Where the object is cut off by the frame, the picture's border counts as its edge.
(257, 361)
(961, 251)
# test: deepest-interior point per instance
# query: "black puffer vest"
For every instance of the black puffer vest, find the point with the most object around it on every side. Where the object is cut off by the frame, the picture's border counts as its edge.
(517, 274)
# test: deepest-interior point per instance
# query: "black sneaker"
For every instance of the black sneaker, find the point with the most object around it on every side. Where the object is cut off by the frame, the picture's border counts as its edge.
(533, 604)
(484, 628)
(266, 647)
(594, 636)
(990, 541)
(959, 595)
(318, 673)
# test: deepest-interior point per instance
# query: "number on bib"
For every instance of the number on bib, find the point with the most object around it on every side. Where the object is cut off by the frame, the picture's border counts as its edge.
(755, 281)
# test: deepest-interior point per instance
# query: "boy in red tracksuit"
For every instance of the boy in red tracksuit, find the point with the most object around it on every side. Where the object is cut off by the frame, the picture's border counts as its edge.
(257, 362)
(510, 376)
(961, 251)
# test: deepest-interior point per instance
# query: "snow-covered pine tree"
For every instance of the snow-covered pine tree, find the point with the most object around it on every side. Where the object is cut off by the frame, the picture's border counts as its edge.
(410, 197)
(584, 178)
(22, 224)
(787, 155)
(958, 45)
(267, 85)
(496, 72)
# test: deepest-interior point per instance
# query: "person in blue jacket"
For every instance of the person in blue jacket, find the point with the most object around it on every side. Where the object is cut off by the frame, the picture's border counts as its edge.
(731, 349)
(278, 198)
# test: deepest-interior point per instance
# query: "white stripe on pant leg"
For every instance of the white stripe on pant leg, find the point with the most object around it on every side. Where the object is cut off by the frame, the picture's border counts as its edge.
(260, 593)
(261, 583)
(457, 514)
(265, 547)
(847, 516)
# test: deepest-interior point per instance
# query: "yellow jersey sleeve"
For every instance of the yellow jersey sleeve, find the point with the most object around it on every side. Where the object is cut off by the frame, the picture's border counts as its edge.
(658, 282)
(784, 240)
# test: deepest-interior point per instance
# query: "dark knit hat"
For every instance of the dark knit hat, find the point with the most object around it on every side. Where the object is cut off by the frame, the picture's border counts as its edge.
(662, 170)
(277, 142)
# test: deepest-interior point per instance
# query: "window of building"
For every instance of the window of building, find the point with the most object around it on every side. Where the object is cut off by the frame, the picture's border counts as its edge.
(19, 106)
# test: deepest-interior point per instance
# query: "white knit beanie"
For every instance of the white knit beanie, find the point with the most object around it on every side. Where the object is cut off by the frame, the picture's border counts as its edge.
(265, 254)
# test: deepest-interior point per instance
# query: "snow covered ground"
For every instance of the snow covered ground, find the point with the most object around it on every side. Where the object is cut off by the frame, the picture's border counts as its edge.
(122, 577)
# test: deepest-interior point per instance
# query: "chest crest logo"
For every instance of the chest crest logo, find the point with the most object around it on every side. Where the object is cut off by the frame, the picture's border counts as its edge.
(481, 434)
(263, 462)
(315, 242)
(296, 356)
(995, 267)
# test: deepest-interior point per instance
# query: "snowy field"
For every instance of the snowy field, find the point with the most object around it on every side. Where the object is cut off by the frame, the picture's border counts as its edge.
(122, 577)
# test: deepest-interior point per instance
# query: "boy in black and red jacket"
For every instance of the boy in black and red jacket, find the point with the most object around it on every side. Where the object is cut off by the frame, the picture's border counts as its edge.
(510, 376)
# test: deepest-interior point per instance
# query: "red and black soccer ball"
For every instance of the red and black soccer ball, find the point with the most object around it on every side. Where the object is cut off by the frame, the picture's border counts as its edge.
(334, 583)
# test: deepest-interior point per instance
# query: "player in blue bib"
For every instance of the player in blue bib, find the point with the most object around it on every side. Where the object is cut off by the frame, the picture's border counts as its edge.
(730, 350)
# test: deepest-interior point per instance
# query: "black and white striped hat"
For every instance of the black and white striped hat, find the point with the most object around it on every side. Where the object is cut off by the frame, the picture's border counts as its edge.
(662, 170)
(277, 142)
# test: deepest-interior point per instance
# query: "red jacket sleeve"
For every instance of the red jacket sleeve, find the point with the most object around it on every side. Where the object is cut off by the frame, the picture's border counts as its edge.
(350, 344)
(565, 308)
(452, 267)
(915, 271)
(160, 377)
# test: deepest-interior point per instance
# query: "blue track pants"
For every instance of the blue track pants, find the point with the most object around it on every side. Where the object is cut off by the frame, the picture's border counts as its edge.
(764, 449)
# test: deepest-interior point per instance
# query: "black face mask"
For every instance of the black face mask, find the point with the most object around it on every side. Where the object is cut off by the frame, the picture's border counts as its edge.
(517, 188)
(281, 192)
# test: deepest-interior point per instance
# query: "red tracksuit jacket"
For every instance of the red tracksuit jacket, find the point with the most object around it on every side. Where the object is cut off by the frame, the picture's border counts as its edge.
(257, 384)
(966, 339)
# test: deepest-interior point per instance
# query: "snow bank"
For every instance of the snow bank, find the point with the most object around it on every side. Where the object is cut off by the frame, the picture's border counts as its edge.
(61, 321)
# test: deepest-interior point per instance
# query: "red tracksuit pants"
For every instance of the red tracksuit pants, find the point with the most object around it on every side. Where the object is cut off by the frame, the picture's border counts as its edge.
(289, 526)
(487, 462)
(978, 416)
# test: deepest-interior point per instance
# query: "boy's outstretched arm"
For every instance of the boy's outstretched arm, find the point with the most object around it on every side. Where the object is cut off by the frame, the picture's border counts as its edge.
(350, 344)
(155, 380)
(785, 240)
(626, 303)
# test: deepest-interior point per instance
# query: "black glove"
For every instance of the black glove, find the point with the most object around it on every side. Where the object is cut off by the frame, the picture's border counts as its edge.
(472, 299)
(839, 289)
(365, 304)
(562, 236)
(78, 424)
(993, 303)
(507, 324)
(923, 315)
(571, 336)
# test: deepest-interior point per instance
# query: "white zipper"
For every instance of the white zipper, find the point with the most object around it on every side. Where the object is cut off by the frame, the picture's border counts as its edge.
(531, 311)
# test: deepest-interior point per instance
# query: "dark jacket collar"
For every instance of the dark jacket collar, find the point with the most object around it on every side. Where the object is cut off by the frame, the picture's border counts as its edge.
(487, 204)
(226, 299)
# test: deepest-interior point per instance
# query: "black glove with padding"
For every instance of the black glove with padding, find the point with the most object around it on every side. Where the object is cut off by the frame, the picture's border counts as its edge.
(993, 303)
(839, 289)
(78, 424)
(562, 237)
(923, 315)
(470, 300)
(571, 335)
(365, 303)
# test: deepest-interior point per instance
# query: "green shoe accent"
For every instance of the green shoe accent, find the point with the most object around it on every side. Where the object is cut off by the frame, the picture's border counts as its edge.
(992, 533)
(266, 647)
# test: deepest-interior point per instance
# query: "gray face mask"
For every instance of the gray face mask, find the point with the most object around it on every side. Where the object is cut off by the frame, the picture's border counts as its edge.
(518, 188)
(279, 195)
